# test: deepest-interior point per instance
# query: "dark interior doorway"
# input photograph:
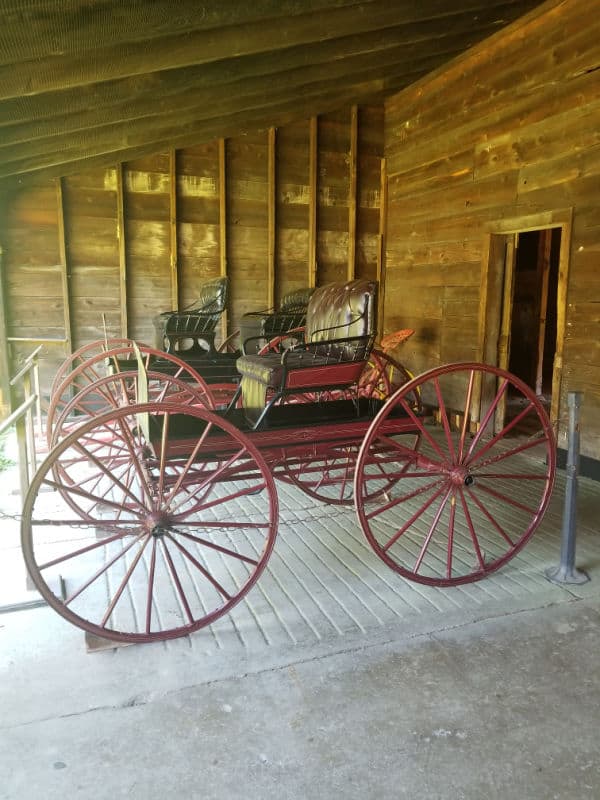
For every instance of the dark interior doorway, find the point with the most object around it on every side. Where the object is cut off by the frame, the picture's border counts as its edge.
(534, 309)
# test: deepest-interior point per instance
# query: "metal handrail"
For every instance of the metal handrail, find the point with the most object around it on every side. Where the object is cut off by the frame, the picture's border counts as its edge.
(22, 418)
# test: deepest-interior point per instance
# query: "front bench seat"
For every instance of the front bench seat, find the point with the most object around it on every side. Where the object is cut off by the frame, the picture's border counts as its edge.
(340, 331)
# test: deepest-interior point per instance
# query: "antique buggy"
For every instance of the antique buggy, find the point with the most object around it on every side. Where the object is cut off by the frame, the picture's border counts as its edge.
(165, 508)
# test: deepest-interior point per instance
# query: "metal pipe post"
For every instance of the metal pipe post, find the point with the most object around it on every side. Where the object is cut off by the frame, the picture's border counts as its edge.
(566, 572)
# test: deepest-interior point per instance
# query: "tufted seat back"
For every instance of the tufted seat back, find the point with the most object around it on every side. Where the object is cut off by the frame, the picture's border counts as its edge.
(342, 311)
(340, 330)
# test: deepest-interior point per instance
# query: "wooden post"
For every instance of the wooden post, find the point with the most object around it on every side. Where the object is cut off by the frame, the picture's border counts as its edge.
(543, 278)
(383, 195)
(351, 271)
(312, 202)
(173, 252)
(122, 252)
(5, 365)
(64, 267)
(271, 210)
(223, 226)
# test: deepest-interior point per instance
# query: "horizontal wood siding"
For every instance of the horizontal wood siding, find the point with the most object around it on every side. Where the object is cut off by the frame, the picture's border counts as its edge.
(509, 130)
(151, 229)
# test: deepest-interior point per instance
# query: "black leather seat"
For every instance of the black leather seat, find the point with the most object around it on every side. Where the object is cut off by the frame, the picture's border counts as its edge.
(192, 331)
(340, 331)
(257, 327)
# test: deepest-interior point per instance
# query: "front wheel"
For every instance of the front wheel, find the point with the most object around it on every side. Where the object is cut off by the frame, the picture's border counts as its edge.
(470, 496)
(148, 530)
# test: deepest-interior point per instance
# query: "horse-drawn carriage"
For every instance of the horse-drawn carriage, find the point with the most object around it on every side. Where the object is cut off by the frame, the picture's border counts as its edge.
(164, 511)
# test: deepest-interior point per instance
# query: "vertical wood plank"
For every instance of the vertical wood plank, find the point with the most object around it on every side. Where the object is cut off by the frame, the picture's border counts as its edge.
(173, 252)
(64, 267)
(122, 252)
(383, 196)
(353, 157)
(223, 226)
(5, 365)
(271, 206)
(312, 203)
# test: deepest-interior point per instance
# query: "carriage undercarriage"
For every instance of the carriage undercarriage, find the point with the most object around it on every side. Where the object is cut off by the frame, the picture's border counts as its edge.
(170, 504)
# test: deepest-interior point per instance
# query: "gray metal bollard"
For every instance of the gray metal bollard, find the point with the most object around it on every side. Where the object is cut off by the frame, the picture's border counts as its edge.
(566, 572)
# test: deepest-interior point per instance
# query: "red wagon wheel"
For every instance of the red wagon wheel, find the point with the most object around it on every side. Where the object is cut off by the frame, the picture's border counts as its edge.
(384, 375)
(475, 490)
(161, 547)
(329, 476)
(231, 343)
(122, 389)
(119, 359)
(82, 354)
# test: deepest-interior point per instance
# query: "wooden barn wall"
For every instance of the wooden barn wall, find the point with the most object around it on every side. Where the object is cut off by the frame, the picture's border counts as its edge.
(110, 248)
(511, 130)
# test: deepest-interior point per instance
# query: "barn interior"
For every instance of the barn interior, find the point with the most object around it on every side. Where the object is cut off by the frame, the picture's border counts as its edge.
(449, 151)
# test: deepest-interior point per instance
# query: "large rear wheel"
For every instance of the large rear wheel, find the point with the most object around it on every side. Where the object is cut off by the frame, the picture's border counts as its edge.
(471, 495)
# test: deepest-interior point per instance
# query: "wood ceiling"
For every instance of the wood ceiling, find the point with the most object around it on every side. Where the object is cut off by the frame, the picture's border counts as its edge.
(96, 82)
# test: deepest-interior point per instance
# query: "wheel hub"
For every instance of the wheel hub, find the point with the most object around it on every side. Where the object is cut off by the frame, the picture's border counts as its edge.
(460, 476)
(157, 523)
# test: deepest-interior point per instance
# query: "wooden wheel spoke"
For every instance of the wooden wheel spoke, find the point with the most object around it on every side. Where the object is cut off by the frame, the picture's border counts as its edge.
(249, 490)
(103, 569)
(486, 420)
(505, 498)
(107, 473)
(186, 553)
(175, 576)
(80, 551)
(471, 528)
(421, 428)
(496, 525)
(466, 417)
(218, 547)
(449, 552)
(124, 582)
(519, 448)
(413, 518)
(431, 531)
(515, 476)
(444, 418)
(127, 435)
(505, 430)
(150, 591)
(87, 495)
(187, 466)
(403, 498)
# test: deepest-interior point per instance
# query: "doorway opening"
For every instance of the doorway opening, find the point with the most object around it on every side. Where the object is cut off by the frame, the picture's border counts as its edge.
(533, 317)
(523, 307)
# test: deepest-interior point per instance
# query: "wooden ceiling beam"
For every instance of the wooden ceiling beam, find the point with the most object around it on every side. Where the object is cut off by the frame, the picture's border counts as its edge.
(32, 30)
(162, 84)
(213, 101)
(73, 160)
(91, 66)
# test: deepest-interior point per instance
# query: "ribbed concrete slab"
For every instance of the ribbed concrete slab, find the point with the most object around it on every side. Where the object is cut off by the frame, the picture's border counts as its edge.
(323, 579)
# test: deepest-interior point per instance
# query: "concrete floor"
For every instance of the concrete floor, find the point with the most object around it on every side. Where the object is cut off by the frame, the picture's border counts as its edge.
(487, 692)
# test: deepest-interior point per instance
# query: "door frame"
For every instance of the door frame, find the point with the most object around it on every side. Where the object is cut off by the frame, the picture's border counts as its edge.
(496, 291)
